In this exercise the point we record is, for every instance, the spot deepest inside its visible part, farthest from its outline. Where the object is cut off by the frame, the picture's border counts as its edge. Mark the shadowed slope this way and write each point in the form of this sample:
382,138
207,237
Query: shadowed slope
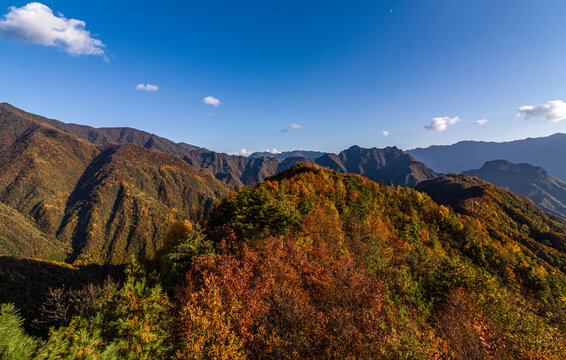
20,237
543,189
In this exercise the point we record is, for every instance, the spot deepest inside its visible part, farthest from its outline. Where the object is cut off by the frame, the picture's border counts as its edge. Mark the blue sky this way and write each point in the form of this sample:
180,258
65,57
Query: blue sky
333,73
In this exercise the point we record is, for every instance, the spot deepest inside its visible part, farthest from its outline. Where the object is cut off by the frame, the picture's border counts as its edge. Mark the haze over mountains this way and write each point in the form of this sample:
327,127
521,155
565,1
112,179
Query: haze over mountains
287,154
546,152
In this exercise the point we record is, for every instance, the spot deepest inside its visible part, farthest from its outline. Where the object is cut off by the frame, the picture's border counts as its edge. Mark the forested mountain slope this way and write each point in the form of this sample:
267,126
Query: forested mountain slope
93,203
316,264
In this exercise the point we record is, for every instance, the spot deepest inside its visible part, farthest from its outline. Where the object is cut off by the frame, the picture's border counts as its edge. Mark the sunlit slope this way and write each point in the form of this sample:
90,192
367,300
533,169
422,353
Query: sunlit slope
125,200
102,203
508,218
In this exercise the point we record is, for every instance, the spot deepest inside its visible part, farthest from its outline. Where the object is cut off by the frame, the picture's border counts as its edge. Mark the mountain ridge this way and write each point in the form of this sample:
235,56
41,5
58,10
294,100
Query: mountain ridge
239,170
547,191
465,155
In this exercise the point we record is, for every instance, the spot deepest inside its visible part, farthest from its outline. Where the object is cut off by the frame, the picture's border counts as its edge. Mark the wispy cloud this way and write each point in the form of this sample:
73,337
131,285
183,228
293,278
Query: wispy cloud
385,133
292,127
147,87
441,123
35,23
482,122
211,114
211,100
552,111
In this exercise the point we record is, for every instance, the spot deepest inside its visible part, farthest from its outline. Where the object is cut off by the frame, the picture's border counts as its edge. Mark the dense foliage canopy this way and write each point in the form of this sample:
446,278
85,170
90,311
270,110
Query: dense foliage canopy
316,264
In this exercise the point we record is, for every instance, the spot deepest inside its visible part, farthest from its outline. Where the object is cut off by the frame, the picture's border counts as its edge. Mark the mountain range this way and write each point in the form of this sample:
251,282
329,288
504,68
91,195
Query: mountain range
86,195
241,170
545,152
315,261
287,154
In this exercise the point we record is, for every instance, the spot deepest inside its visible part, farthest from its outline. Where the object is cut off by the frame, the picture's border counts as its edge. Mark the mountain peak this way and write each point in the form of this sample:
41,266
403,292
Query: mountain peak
508,166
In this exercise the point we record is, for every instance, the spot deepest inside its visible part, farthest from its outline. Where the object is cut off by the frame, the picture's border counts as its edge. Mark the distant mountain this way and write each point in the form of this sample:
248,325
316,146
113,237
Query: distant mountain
63,197
388,165
287,154
545,152
543,189
234,170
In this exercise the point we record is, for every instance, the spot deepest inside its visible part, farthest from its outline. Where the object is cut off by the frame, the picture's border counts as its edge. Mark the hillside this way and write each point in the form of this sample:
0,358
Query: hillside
87,202
465,155
20,237
501,266
233,170
508,218
545,190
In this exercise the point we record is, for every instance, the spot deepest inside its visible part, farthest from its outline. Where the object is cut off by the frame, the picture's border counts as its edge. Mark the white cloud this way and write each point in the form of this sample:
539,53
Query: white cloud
441,123
242,152
273,151
35,23
481,122
147,87
211,100
292,127
385,133
552,111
